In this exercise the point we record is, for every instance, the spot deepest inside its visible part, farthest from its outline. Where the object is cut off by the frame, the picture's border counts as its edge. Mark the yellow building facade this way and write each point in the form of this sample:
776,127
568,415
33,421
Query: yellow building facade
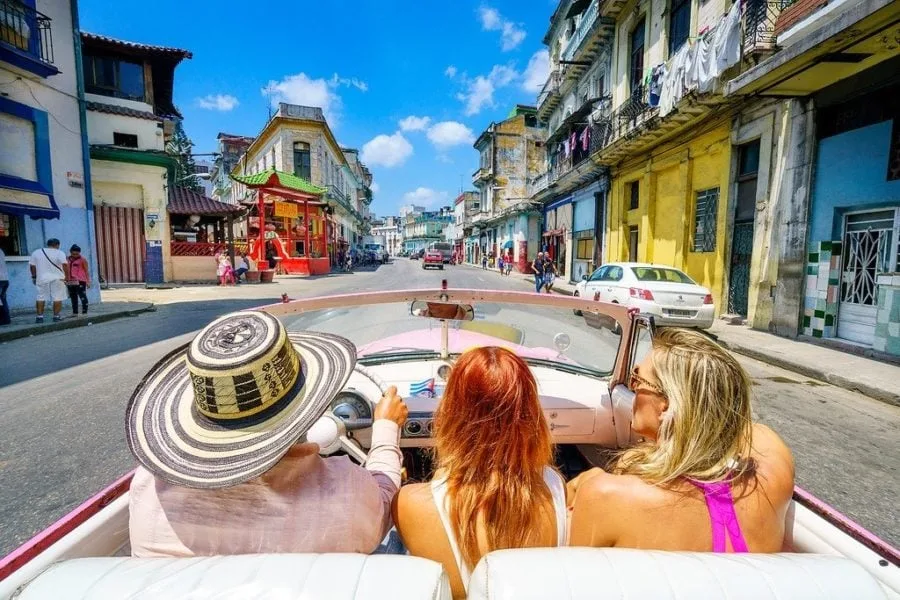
659,222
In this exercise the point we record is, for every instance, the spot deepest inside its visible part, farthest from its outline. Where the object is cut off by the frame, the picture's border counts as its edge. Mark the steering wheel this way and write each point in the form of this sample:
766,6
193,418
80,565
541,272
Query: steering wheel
330,431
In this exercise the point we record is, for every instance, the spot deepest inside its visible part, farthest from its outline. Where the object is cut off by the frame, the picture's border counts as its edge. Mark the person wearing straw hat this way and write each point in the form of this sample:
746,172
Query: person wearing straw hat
218,428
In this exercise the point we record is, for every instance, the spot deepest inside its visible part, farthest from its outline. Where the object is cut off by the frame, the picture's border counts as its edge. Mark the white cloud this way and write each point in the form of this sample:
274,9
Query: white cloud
450,133
223,102
424,196
511,34
386,150
351,81
413,123
375,187
450,72
536,72
480,91
300,89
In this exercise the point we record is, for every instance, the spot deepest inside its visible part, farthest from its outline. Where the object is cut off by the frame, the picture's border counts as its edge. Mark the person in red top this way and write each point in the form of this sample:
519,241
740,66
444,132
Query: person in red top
80,279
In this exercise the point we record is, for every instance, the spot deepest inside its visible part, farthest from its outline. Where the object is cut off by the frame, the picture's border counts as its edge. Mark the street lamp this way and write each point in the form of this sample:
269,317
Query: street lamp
204,176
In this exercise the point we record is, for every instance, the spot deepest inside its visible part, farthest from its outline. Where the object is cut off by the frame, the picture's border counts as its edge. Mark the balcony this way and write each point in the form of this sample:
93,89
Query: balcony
761,25
549,97
25,38
481,175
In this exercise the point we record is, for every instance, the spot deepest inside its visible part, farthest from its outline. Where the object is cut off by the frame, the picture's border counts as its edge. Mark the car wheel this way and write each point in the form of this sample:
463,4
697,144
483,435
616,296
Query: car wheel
577,312
441,267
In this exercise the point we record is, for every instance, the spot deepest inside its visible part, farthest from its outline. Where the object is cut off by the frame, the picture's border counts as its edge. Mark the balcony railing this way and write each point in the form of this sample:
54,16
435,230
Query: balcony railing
551,87
481,174
28,30
588,20
760,17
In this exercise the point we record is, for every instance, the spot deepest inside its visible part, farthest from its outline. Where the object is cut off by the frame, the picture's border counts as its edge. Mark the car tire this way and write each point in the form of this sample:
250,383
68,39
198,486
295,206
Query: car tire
577,312
441,267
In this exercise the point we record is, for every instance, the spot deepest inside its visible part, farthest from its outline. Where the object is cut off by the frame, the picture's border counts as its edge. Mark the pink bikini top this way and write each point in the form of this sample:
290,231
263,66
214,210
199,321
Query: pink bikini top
724,520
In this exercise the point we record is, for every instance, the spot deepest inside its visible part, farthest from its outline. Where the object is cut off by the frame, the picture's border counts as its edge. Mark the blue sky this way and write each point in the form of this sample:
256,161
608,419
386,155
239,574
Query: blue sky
371,65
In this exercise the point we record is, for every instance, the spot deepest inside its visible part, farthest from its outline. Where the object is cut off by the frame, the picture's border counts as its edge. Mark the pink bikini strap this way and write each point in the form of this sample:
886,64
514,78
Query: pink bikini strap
722,516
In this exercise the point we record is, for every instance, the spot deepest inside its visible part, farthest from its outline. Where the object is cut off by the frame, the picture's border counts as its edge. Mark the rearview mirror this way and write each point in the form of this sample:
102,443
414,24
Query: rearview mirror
442,310
584,277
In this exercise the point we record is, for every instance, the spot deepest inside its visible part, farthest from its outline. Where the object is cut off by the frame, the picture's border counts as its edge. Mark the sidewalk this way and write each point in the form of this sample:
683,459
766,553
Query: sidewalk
875,379
23,324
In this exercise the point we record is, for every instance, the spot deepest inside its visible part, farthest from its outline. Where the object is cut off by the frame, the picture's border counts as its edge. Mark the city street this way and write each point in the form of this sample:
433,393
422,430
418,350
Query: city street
63,396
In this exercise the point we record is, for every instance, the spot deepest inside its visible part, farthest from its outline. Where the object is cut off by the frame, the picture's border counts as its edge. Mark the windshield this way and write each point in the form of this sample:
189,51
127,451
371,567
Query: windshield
659,274
388,332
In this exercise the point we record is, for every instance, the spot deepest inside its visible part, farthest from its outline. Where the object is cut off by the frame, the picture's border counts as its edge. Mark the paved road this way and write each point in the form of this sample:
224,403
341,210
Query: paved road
63,395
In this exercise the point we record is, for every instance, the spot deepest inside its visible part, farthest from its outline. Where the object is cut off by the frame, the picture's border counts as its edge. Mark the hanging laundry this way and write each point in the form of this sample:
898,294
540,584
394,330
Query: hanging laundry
728,40
566,148
585,139
655,87
573,141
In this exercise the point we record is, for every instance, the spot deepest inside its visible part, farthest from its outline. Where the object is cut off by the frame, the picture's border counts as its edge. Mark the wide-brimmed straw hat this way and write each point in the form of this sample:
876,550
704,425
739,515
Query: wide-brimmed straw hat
226,407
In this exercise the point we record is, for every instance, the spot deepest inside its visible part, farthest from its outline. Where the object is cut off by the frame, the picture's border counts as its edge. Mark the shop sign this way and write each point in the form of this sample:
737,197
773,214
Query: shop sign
286,209
271,235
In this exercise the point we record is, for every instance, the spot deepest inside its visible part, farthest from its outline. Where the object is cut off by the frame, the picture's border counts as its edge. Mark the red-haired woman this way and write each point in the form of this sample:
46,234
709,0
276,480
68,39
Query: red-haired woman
494,486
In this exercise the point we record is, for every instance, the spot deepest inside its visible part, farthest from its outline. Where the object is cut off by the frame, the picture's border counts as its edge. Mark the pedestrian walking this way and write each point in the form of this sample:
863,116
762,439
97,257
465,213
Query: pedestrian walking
484,260
500,265
49,272
4,285
550,273
509,264
80,279
537,267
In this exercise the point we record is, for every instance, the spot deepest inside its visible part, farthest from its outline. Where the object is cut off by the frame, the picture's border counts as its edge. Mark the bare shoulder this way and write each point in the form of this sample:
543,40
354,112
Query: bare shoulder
775,462
411,503
603,489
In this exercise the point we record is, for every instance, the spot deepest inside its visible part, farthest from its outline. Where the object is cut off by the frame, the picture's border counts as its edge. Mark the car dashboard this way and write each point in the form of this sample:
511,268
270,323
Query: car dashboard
577,407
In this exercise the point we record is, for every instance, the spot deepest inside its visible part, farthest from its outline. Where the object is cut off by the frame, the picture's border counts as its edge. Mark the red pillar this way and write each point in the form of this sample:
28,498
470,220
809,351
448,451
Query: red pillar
307,224
262,228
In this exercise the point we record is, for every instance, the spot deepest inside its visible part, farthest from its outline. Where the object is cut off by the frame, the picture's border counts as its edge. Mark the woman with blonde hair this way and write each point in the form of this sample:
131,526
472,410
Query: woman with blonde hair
705,477
494,486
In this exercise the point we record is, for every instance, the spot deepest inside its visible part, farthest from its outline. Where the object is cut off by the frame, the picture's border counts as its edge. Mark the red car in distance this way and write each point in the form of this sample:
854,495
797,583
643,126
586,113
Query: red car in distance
433,258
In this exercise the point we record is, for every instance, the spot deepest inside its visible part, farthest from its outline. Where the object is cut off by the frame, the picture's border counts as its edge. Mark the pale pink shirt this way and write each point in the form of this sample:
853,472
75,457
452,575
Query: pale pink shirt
305,503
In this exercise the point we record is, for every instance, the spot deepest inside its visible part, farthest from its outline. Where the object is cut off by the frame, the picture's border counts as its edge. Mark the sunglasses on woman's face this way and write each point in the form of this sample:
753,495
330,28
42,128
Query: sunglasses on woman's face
636,380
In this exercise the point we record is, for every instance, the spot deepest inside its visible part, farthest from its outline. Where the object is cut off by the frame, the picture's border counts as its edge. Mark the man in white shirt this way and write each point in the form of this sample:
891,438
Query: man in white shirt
49,273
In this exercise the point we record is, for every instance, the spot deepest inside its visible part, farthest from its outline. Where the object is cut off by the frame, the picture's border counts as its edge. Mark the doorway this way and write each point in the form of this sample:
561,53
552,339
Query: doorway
632,243
120,243
870,248
742,231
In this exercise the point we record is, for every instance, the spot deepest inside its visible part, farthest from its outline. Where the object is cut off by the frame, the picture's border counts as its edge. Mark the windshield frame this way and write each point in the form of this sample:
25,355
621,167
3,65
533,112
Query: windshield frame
621,314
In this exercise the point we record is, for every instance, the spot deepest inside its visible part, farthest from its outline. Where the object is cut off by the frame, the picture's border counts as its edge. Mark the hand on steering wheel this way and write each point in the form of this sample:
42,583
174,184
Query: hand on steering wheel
392,407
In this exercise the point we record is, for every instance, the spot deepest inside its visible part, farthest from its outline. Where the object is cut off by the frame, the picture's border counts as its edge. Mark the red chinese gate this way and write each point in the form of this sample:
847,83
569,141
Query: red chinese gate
120,243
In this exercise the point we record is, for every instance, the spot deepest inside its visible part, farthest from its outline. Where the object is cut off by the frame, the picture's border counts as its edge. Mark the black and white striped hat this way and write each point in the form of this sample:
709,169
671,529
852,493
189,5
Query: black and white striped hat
226,407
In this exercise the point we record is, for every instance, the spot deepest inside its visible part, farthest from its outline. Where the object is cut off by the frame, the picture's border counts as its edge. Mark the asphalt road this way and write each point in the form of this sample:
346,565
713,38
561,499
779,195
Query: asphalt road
63,396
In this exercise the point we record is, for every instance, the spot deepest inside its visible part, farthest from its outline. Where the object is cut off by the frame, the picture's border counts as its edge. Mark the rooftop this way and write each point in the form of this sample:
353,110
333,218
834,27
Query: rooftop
111,43
184,201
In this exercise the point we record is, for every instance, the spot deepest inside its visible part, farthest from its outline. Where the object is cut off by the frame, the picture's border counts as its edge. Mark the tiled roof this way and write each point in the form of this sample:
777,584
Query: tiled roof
115,109
102,39
184,201
271,177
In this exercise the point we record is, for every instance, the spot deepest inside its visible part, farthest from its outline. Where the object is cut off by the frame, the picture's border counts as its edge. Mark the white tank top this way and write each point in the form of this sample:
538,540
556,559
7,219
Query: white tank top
557,491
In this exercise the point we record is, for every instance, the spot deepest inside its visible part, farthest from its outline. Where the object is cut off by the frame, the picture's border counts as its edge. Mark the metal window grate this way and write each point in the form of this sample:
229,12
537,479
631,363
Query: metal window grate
705,213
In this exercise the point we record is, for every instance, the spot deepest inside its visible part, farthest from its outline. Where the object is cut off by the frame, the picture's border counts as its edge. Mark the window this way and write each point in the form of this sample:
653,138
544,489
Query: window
113,77
26,175
633,191
584,250
632,243
658,274
273,158
748,168
705,220
679,24
125,140
612,273
11,235
598,274
636,61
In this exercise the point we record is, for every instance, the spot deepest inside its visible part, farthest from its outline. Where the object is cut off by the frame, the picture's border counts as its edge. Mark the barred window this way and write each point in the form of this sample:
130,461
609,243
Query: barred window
705,220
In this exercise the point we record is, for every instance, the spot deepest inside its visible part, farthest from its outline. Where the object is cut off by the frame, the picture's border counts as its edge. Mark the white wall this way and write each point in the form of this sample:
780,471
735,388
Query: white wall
101,127
135,104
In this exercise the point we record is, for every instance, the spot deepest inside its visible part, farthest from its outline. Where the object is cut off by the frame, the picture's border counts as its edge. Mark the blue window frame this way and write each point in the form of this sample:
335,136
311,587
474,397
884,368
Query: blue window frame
44,182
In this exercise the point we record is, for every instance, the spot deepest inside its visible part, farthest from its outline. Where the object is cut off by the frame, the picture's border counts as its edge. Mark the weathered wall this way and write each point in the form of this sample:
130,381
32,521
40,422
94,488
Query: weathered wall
668,183
101,127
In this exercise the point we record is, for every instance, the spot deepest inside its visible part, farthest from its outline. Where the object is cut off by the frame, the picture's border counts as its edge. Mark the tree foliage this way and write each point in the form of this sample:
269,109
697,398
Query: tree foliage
181,147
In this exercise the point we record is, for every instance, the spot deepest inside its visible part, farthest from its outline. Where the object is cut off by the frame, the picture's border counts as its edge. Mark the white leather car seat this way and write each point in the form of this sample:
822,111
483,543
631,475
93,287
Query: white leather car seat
281,576
600,573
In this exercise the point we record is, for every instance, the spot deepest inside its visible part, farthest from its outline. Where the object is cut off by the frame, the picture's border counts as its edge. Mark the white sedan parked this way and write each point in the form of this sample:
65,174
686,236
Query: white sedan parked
673,297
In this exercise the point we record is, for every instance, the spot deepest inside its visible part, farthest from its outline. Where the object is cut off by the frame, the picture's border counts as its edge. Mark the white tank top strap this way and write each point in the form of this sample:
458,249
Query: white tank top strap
552,479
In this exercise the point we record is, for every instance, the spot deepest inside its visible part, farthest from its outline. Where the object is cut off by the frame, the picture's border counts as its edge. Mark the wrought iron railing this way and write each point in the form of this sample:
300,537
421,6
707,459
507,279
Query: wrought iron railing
759,23
551,86
25,28
588,20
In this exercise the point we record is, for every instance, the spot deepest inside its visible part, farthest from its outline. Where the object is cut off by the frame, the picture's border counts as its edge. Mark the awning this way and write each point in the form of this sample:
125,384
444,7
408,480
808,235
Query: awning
184,201
27,203
507,245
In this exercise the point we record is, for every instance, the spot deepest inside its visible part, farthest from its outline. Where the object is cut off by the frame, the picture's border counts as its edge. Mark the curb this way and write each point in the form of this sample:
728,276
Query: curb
834,379
36,329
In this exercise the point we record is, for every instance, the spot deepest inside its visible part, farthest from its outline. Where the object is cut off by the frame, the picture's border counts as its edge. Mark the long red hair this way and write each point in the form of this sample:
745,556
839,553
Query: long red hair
493,441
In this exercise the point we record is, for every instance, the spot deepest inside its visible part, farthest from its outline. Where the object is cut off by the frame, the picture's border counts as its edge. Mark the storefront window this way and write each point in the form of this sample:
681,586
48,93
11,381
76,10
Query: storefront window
11,234
584,250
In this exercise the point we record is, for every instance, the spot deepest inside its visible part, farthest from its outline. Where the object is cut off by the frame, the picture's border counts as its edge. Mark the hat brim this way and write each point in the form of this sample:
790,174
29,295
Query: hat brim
175,442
